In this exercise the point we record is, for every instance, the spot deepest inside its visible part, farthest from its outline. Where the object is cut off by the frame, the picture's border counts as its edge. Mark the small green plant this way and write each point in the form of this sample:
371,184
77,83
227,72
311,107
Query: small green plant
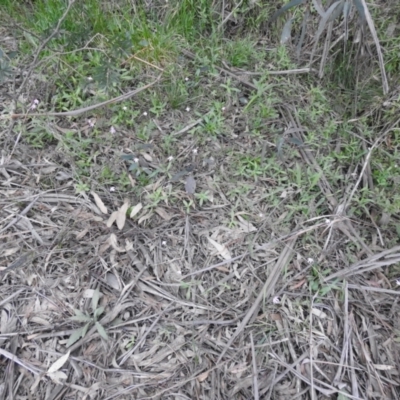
202,197
88,320
131,342
316,283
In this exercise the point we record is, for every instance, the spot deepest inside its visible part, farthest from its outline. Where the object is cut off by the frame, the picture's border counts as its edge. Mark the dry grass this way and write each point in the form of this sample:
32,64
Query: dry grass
213,301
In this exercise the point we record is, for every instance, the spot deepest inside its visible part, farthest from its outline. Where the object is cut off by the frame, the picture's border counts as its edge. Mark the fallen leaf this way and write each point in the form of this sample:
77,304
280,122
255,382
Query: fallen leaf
245,225
58,377
319,313
58,364
99,203
162,213
147,157
202,377
112,219
121,215
135,210
114,243
222,250
145,217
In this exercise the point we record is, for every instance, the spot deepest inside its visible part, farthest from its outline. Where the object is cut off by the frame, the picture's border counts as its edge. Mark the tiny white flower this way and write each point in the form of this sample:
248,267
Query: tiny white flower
170,158
112,130
136,160
223,108
89,78
124,108
36,101
398,282
276,300
194,151
112,189
163,243
186,79
327,221
261,215
33,107
145,113
310,260
187,109
91,123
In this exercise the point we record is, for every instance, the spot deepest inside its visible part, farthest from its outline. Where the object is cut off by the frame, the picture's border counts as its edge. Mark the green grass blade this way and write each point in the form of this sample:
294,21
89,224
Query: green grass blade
285,8
101,331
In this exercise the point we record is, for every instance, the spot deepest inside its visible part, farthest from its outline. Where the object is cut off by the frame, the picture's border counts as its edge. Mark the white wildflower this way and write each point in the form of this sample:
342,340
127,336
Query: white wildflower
145,113
187,109
91,123
112,130
136,160
170,158
276,300
194,151
112,189
124,108
89,78
310,260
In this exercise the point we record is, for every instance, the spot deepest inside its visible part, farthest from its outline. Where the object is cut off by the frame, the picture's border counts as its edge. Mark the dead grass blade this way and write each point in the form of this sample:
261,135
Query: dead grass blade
371,26
265,292
382,259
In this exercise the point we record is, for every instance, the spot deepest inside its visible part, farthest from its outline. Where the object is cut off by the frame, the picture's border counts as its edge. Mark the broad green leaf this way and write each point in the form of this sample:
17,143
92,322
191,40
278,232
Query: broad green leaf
295,141
98,312
95,299
286,31
78,313
74,337
286,7
81,318
101,331
85,329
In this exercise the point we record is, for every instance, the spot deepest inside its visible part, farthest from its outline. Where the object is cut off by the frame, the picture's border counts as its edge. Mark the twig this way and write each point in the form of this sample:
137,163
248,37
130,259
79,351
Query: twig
92,107
255,372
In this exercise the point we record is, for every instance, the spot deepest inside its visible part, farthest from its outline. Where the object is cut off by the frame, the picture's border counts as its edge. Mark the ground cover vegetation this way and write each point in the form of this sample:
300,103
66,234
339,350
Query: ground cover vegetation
199,199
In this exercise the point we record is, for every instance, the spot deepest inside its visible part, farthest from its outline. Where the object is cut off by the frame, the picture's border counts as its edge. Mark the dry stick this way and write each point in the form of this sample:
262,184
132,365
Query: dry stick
79,111
266,291
255,372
